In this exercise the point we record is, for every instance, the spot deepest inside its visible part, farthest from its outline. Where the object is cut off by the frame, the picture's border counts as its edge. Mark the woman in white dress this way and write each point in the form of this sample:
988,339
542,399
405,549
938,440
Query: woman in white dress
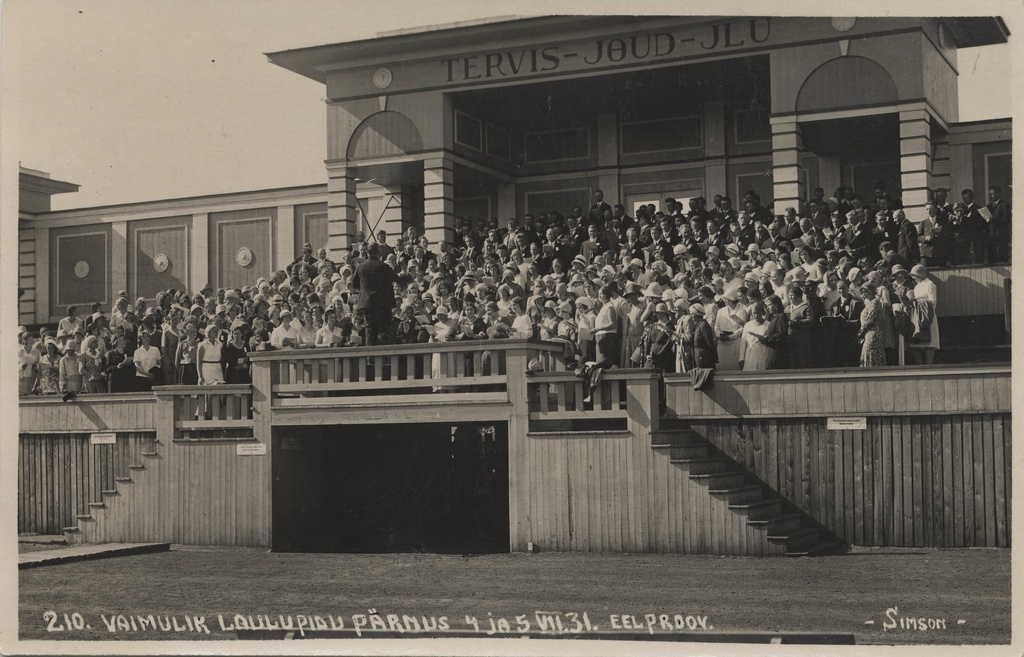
925,293
729,324
208,358
754,356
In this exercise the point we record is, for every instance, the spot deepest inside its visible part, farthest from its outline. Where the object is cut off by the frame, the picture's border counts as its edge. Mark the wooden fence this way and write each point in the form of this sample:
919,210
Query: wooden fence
59,475
931,468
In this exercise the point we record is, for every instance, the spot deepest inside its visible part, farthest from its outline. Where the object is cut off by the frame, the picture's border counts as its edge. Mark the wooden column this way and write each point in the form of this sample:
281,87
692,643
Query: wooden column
518,443
438,201
44,276
915,161
342,210
262,380
284,237
787,144
200,264
118,261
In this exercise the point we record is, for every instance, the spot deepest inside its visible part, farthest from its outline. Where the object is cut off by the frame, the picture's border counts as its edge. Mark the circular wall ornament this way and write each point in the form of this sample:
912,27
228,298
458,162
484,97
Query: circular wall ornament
843,24
243,257
81,269
382,78
160,263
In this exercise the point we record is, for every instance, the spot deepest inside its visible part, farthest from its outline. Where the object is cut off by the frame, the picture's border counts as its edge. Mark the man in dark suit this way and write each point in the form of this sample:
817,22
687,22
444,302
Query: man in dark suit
374,281
999,224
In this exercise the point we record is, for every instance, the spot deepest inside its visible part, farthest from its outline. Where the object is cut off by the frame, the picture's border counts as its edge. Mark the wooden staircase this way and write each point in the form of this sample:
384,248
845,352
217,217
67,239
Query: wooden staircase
93,527
772,527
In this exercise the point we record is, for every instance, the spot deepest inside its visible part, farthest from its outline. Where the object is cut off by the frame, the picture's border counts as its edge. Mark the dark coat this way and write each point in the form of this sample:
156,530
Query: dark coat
375,282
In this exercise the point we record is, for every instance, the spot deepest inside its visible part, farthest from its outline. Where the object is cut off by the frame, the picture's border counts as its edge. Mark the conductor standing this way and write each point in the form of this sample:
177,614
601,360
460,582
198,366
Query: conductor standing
374,281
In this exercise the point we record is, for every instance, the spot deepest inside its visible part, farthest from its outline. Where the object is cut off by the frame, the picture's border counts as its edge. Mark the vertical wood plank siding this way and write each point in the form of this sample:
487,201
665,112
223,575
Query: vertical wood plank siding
907,481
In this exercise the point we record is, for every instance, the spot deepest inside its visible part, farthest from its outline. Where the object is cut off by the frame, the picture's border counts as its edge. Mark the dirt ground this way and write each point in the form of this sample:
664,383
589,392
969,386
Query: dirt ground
962,595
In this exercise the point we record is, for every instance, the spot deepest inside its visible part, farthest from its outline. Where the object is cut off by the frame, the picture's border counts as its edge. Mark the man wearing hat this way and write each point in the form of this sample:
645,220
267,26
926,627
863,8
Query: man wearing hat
658,341
374,281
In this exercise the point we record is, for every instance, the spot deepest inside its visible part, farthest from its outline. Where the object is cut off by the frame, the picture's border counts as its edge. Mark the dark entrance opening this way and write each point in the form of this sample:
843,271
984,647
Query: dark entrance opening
391,488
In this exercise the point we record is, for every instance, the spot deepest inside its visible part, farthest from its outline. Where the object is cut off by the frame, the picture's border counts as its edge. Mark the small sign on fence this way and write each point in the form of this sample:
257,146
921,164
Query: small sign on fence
847,423
251,449
105,438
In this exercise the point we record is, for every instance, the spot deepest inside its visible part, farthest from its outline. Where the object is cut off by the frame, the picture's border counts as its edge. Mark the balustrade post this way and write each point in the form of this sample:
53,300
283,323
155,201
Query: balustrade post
516,359
164,417
642,403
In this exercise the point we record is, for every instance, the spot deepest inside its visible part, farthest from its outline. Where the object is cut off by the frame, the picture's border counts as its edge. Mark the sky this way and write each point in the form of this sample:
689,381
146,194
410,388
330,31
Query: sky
140,101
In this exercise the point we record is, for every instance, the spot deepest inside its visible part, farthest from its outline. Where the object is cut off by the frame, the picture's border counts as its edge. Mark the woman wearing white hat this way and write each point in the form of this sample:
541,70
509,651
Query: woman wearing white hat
69,377
729,330
28,365
49,369
923,300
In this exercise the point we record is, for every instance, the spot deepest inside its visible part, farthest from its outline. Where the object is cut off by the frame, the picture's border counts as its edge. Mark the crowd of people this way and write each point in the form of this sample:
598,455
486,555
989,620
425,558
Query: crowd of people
832,283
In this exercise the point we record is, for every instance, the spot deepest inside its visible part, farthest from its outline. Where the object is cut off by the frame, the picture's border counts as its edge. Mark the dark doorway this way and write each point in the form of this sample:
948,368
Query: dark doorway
391,488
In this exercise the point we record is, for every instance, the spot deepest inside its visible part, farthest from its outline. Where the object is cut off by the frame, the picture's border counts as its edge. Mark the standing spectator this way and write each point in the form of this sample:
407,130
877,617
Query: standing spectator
70,324
93,377
49,369
28,365
147,363
754,355
69,380
374,281
185,356
705,350
120,367
871,333
936,238
208,358
907,243
729,323
606,330
999,224
776,335
236,358
923,301
973,232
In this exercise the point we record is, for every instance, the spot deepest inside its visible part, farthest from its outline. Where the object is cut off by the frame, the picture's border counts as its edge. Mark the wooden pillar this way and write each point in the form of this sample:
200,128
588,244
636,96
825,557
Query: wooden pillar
520,534
787,144
200,264
284,237
642,404
608,157
715,176
438,201
44,277
164,425
342,211
119,261
915,161
262,380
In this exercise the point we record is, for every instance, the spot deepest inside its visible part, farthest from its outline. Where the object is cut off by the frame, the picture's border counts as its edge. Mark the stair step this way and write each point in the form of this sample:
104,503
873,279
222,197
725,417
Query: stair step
109,492
97,505
706,465
797,540
136,466
785,523
123,480
151,453
684,451
72,530
676,438
717,480
83,516
759,509
821,548
740,494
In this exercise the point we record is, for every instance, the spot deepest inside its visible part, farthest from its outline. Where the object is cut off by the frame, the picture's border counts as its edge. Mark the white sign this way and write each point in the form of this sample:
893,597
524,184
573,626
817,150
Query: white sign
847,423
251,449
107,438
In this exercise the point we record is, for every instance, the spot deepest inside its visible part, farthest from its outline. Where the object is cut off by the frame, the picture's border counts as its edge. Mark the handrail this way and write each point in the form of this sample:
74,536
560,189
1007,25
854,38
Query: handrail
819,374
402,349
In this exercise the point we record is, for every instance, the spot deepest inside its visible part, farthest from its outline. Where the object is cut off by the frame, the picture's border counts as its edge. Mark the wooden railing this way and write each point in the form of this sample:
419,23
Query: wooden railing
197,409
478,371
563,397
915,390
